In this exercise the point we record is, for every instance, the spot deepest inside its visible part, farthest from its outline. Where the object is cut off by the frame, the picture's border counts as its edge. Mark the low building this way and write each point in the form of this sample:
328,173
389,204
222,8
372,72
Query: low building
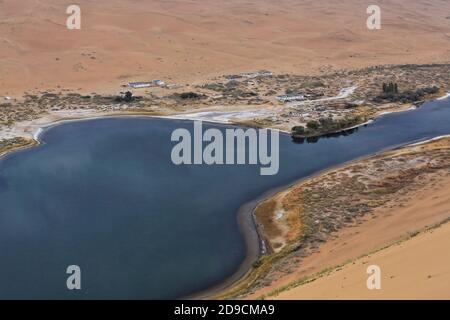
159,83
174,86
291,97
139,85
148,84
249,75
233,77
262,73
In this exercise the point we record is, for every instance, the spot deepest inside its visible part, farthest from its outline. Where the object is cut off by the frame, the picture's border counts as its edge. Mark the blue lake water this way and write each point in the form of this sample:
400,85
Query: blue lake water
104,195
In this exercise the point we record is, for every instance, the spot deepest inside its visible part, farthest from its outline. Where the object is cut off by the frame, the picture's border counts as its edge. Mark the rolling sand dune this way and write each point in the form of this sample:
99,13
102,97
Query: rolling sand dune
123,40
413,211
407,265
192,40
418,268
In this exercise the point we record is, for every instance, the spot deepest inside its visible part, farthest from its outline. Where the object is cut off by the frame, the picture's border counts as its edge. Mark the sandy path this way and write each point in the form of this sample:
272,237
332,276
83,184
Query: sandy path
429,206
418,268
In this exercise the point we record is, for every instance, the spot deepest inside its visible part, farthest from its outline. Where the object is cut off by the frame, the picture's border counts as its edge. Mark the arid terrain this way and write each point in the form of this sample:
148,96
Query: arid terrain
330,220
209,55
301,66
420,263
192,41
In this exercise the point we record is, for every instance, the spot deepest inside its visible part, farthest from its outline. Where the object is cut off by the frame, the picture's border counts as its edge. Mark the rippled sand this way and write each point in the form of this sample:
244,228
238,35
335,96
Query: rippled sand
124,40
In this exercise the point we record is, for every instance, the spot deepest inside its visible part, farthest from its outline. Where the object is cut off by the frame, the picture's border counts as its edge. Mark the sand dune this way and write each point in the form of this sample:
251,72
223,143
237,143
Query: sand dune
405,267
411,212
193,40
179,41
415,269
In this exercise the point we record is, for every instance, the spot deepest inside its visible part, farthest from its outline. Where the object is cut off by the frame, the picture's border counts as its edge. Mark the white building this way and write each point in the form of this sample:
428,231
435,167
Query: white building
148,84
138,85
291,97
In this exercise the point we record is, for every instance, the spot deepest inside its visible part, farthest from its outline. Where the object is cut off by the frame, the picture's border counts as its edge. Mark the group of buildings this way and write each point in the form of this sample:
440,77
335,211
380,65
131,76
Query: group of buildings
249,75
291,97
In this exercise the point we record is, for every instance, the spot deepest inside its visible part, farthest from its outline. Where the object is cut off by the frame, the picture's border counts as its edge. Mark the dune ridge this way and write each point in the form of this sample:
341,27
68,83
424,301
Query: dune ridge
123,40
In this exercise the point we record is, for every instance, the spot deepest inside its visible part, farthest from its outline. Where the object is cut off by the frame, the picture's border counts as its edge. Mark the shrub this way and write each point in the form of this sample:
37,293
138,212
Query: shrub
298,130
313,125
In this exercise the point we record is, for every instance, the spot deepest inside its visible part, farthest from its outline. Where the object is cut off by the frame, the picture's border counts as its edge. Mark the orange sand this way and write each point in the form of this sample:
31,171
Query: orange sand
415,269
180,40
425,208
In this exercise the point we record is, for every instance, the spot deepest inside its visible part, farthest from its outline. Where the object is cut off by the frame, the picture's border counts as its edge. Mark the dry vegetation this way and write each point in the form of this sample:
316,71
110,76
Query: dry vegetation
295,222
315,48
8,145
254,100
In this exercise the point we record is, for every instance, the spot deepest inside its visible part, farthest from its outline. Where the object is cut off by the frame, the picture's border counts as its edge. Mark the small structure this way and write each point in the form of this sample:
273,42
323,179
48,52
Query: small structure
174,86
148,84
291,97
249,75
139,85
262,73
233,77
265,73
159,83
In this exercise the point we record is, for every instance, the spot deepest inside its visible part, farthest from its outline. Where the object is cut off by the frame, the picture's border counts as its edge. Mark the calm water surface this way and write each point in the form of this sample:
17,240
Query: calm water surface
104,195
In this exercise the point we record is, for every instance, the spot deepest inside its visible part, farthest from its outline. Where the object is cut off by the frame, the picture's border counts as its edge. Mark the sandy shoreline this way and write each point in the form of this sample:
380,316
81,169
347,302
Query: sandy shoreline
248,210
444,97
414,210
33,129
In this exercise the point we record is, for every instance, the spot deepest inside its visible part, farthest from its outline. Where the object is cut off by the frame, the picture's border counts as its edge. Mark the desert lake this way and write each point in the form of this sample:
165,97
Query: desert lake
104,195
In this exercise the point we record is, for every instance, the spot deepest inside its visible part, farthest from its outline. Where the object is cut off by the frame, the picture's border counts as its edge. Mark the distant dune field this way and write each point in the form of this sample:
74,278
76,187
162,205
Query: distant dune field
124,40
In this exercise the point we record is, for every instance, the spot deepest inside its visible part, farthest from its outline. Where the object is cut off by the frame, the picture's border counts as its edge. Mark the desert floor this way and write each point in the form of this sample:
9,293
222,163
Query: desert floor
414,269
184,41
181,41
405,267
